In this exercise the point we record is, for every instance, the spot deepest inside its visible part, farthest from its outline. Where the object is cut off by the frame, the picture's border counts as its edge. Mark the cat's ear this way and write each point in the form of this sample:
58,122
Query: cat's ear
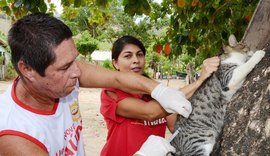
232,40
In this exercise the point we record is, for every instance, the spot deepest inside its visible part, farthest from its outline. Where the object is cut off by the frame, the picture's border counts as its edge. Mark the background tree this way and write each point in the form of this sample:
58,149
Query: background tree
194,27
85,44
87,16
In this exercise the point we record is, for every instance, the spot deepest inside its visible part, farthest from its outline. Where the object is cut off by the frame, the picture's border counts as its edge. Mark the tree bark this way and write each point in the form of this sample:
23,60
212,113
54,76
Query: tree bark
258,30
247,122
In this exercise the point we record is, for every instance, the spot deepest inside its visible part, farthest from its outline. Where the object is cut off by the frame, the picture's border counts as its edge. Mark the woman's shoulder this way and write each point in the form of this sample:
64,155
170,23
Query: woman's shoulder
119,93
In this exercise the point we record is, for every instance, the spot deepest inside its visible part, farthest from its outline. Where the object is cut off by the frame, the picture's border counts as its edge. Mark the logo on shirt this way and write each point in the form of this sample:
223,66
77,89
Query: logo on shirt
149,123
154,123
75,112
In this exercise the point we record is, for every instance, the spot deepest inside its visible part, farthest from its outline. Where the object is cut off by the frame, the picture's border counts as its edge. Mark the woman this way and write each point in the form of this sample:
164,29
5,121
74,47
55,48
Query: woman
132,118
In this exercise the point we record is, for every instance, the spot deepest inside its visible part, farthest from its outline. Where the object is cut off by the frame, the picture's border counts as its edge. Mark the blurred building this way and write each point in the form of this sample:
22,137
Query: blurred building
99,56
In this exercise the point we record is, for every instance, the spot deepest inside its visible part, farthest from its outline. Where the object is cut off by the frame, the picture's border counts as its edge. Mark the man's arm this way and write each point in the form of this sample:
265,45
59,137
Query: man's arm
97,77
18,146
210,65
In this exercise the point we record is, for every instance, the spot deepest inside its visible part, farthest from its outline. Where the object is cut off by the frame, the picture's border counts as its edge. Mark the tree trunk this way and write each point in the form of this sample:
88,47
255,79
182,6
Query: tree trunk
247,122
258,31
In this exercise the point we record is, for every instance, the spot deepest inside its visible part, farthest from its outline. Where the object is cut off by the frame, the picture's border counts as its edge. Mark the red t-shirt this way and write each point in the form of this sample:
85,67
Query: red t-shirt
125,136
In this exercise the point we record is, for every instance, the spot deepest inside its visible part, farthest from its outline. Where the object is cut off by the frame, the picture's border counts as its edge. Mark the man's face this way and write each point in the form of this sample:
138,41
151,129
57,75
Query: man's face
61,76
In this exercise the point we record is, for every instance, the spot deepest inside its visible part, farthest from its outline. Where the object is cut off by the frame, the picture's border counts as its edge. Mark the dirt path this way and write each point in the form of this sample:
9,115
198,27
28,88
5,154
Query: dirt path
94,128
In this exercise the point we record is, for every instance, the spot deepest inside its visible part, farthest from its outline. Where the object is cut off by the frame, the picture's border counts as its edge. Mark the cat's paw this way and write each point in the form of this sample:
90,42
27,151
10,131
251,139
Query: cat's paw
260,53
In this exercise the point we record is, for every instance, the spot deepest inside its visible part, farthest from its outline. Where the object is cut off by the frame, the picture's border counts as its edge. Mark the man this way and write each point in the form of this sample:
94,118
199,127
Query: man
40,113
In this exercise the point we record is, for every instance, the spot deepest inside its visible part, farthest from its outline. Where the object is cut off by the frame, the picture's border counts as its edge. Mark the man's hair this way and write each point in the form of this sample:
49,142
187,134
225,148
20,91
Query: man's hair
33,39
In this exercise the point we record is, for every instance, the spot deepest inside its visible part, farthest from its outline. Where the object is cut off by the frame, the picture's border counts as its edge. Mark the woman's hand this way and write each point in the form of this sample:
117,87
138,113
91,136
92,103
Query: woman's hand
210,65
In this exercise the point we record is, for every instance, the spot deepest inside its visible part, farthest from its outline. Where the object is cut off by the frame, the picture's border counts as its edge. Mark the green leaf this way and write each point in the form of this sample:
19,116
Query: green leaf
216,4
145,7
138,7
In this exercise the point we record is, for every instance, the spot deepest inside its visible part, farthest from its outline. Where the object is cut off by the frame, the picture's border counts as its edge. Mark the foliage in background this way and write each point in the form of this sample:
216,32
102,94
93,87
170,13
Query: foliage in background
104,46
201,27
107,64
196,28
3,39
87,17
18,8
85,44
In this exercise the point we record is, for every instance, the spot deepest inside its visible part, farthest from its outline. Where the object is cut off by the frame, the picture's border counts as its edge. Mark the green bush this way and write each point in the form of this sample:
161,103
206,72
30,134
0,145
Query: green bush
86,44
107,64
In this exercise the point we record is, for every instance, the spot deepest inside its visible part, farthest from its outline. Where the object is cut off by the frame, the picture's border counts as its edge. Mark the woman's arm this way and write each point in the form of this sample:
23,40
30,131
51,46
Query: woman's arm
135,108
171,119
210,65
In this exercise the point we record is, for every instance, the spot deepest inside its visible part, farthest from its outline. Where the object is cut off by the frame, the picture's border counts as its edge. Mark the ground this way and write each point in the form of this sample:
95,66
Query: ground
94,128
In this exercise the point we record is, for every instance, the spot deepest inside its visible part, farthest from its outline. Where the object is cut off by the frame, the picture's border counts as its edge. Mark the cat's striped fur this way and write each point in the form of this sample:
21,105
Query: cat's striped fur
198,133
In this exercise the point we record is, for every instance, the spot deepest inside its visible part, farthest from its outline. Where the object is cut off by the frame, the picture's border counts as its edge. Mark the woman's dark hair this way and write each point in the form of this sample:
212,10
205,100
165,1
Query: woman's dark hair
120,43
33,38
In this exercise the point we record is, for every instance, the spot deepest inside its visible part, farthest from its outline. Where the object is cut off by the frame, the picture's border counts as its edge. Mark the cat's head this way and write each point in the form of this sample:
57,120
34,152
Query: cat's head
234,48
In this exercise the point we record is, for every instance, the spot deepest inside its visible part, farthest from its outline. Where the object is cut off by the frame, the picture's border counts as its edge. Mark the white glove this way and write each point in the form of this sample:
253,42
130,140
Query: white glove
155,146
172,100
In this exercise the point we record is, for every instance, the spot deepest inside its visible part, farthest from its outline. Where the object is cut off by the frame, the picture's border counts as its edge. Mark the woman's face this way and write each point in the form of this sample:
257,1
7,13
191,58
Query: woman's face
131,58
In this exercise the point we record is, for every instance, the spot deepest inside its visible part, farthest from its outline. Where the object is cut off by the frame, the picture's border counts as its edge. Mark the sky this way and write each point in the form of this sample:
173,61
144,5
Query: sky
59,8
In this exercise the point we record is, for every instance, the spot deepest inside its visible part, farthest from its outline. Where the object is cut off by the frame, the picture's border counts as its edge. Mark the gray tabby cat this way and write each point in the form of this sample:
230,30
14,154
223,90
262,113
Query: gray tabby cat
198,133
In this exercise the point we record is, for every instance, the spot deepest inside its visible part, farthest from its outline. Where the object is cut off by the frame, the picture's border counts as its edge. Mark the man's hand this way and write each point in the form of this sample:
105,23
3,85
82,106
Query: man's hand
172,100
210,65
155,146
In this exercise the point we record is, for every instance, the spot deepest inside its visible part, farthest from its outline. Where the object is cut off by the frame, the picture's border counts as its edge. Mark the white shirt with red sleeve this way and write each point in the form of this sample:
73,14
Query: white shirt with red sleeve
59,132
